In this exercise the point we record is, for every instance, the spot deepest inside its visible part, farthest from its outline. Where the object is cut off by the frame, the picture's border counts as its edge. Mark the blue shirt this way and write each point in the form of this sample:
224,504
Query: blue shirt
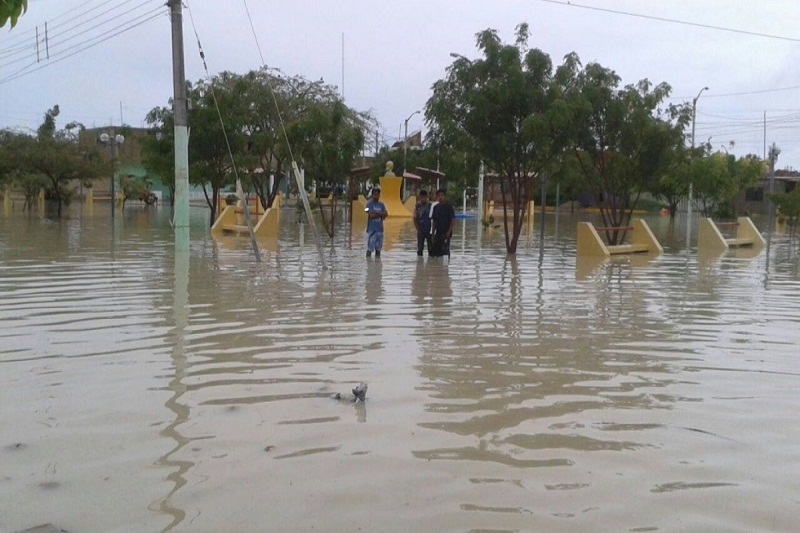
375,224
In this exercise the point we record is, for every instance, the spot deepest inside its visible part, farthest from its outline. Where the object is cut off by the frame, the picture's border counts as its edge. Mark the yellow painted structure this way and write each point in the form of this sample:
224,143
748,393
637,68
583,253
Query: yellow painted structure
7,201
359,206
265,223
410,204
531,205
488,209
88,201
390,196
642,239
709,237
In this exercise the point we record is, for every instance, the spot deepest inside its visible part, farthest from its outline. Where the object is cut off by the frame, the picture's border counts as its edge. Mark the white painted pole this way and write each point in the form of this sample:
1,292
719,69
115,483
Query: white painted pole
300,178
480,194
181,118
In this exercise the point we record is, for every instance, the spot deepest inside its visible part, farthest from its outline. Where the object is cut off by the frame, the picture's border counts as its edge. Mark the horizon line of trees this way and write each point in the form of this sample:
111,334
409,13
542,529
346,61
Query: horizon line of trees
533,124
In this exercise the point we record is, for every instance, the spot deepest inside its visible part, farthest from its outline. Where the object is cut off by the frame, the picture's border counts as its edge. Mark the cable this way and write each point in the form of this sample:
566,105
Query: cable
301,191
673,21
269,84
17,38
61,52
227,141
53,43
25,71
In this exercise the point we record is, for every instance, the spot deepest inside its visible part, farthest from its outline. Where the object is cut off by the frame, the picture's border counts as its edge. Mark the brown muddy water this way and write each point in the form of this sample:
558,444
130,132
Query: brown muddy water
528,394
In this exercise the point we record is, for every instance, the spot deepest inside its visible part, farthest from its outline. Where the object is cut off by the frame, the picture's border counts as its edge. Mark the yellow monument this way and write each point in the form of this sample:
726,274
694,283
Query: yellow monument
390,194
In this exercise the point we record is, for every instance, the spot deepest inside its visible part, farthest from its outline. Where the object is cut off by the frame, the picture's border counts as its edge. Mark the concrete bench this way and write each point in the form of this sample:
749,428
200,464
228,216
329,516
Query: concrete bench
642,239
709,236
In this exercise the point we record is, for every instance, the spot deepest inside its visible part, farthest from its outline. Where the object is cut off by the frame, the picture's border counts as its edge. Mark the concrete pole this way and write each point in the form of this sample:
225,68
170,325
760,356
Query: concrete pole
181,117
773,157
114,151
405,146
691,157
481,176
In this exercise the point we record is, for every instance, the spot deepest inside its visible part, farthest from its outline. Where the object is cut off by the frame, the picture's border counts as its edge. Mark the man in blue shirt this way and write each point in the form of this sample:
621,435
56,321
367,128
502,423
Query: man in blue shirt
443,219
422,221
376,212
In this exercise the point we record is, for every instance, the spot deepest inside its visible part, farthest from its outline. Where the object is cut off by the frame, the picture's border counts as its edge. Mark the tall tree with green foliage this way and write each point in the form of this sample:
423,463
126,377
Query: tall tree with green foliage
57,156
717,177
788,209
210,164
324,134
508,109
623,140
332,137
11,11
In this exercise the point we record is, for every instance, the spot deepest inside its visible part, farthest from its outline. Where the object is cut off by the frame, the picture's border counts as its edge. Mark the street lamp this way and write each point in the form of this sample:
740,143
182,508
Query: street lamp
405,142
114,142
459,56
689,199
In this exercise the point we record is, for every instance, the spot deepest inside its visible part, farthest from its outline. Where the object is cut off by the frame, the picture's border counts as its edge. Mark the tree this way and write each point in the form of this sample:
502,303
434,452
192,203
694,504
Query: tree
673,185
321,130
718,177
11,175
11,11
210,164
332,136
158,149
788,208
623,141
57,156
507,109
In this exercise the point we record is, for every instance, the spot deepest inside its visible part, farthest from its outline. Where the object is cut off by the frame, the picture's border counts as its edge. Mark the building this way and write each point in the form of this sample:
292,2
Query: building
756,199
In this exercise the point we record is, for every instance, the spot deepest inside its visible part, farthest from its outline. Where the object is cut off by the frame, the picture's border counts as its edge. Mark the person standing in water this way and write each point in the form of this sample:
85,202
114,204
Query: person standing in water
443,220
376,212
422,222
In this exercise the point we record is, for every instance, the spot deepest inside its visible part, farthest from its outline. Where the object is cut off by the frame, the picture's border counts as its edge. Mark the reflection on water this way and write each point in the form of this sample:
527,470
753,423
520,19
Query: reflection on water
144,391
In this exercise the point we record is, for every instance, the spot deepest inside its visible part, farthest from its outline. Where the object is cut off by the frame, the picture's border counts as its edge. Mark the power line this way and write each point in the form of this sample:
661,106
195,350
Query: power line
19,37
125,27
673,21
52,41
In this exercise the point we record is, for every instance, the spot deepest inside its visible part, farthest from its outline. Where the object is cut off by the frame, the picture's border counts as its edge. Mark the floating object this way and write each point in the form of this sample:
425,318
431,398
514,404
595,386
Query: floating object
642,240
46,528
359,394
709,236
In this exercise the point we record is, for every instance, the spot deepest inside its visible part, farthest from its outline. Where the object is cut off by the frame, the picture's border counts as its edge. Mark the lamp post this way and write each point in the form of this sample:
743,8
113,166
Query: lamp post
774,152
114,141
405,139
691,157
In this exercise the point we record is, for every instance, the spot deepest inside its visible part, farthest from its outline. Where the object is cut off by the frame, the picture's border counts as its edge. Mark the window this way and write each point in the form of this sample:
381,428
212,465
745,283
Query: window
754,195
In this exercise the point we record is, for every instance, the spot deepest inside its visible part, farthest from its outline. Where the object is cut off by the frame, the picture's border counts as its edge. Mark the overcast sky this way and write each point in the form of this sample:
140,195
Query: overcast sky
394,51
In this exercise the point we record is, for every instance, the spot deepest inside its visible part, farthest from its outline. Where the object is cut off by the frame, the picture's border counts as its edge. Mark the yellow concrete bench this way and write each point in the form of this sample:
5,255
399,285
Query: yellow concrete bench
589,242
709,236
231,220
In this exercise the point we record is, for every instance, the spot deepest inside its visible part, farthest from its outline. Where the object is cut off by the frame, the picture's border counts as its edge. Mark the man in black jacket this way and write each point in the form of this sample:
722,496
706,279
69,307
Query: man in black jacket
443,220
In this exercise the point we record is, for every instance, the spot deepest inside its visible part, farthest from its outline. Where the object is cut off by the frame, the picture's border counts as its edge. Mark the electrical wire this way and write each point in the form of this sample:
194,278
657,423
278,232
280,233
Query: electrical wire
53,44
227,141
123,28
670,20
50,24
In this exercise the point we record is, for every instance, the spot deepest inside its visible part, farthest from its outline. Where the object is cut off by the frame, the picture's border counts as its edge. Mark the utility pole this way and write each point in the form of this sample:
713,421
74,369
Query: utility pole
181,116
691,157
405,139
774,152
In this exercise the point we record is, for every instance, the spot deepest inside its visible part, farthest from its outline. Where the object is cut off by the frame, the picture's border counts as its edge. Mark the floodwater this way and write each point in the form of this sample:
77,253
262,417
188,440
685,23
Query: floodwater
144,392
